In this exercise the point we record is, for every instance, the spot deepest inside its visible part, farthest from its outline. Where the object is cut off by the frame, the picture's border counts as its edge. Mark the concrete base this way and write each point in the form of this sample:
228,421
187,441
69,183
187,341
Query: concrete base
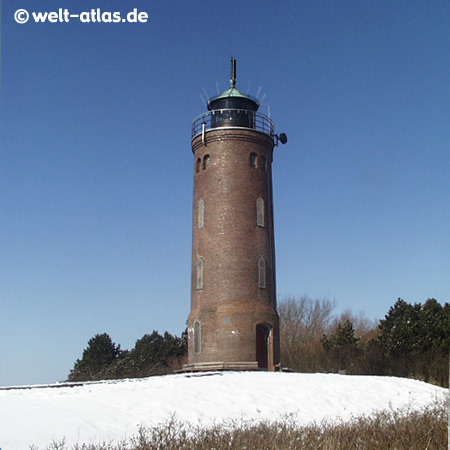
220,365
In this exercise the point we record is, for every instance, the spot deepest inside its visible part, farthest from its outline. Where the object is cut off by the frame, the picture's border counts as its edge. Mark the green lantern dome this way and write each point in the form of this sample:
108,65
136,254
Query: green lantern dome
233,98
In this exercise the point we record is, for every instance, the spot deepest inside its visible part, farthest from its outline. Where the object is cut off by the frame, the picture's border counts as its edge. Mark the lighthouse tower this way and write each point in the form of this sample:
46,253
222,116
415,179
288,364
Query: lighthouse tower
233,323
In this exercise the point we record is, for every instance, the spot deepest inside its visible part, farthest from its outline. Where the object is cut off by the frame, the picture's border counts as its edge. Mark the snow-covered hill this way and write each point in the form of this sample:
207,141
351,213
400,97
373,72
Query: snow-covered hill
113,410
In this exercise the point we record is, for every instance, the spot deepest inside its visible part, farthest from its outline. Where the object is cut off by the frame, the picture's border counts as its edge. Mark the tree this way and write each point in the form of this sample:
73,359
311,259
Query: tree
431,353
400,328
99,355
303,321
343,338
341,347
415,340
365,329
153,352
432,326
445,345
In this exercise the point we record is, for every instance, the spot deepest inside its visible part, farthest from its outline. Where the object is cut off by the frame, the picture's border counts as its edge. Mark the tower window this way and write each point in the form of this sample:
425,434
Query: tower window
206,161
198,165
252,160
197,337
261,272
260,212
262,163
201,214
200,273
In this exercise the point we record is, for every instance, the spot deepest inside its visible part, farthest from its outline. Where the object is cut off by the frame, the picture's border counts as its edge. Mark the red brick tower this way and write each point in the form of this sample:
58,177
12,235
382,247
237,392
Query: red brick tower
233,323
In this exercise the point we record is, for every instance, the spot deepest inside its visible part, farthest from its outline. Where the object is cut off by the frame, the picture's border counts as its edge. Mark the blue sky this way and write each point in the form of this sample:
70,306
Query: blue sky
96,166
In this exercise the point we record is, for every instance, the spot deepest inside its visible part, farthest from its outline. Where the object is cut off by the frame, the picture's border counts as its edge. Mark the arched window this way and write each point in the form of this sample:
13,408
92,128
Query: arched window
198,165
200,273
252,160
260,212
206,161
197,337
261,272
262,163
201,214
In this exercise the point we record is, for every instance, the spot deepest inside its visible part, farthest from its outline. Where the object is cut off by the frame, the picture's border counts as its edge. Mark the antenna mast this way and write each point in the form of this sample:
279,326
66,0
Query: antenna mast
233,73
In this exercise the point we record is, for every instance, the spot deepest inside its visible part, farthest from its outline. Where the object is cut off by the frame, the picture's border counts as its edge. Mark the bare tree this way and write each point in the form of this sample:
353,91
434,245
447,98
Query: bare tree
303,322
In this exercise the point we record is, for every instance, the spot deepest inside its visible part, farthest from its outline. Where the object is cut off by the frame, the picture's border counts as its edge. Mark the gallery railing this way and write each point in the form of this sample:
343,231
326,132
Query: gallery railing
232,118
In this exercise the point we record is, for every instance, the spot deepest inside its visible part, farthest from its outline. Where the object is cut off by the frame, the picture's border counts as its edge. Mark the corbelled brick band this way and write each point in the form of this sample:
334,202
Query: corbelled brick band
233,292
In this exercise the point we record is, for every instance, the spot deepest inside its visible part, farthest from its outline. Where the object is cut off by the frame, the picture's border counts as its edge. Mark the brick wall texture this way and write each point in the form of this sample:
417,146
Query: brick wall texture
230,302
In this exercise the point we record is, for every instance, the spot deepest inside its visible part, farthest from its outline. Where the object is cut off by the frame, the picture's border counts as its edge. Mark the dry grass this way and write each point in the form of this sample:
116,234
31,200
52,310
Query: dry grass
393,430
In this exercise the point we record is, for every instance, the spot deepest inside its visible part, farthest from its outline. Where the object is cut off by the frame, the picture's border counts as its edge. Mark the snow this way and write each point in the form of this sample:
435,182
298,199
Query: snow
114,410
